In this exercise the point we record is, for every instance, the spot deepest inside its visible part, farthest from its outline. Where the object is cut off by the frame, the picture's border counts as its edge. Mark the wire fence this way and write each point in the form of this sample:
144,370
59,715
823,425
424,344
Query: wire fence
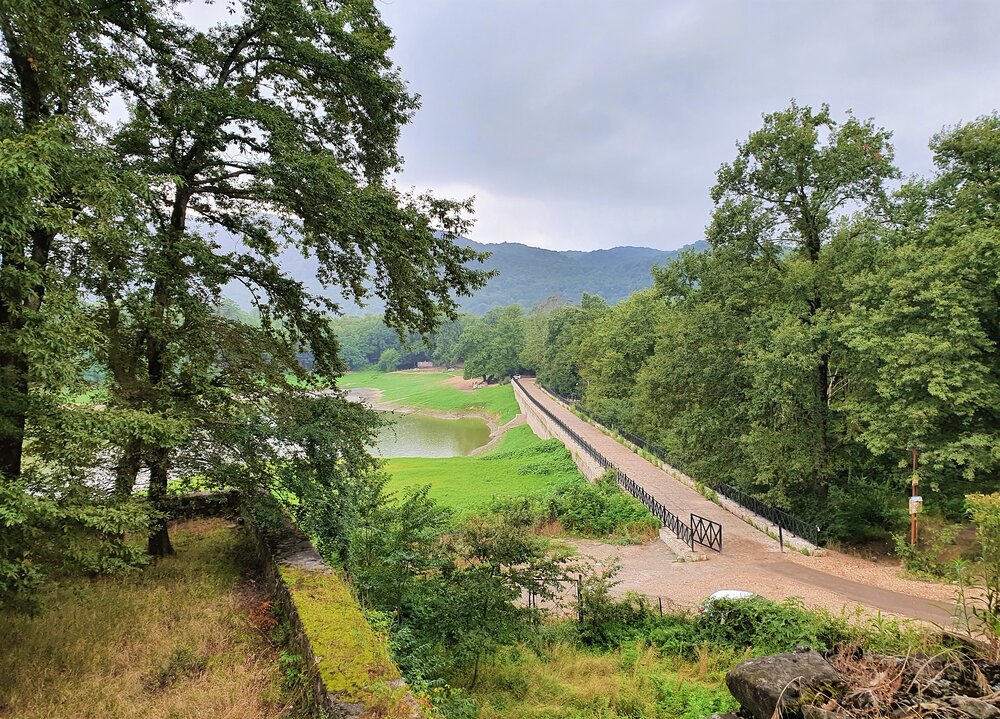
808,531
711,533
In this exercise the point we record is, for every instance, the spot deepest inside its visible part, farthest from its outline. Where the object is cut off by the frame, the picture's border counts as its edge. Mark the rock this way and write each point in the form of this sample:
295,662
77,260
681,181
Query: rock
811,711
975,708
759,684
936,688
861,699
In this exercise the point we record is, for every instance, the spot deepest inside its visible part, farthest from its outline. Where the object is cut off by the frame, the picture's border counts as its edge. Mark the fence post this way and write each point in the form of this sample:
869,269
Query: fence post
781,539
660,600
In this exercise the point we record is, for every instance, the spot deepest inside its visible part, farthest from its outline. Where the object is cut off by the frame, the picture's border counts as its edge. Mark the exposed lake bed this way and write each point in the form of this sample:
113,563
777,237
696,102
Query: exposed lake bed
415,434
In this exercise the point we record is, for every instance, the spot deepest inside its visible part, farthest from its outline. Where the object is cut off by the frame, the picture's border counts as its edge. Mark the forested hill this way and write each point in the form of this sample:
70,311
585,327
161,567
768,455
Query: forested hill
530,275
527,275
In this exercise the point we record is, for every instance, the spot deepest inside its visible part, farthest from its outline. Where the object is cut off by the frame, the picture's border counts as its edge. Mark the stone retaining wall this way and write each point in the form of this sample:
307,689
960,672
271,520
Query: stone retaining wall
546,429
351,671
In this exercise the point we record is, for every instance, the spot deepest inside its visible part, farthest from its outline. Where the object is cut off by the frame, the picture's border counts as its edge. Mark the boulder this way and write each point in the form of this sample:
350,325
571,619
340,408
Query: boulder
761,685
975,708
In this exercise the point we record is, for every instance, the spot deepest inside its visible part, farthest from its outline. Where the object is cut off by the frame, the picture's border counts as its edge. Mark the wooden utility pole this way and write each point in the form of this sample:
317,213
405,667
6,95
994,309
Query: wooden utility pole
913,493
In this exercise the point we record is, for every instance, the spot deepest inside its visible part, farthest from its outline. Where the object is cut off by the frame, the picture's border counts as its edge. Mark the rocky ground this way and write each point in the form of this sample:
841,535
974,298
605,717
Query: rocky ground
851,683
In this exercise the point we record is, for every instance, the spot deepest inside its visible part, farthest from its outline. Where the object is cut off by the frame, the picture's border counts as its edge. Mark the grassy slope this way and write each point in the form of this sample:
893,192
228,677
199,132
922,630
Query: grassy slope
425,390
520,463
569,682
97,649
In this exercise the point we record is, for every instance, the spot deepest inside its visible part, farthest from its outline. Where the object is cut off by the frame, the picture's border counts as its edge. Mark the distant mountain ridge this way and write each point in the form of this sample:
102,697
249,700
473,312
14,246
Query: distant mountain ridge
530,275
527,275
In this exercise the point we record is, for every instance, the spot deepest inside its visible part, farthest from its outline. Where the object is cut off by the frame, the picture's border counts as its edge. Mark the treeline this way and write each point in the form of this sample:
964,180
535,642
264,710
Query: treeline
840,318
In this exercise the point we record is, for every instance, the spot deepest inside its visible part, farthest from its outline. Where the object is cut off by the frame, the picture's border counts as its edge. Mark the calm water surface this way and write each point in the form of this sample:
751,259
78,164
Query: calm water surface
417,435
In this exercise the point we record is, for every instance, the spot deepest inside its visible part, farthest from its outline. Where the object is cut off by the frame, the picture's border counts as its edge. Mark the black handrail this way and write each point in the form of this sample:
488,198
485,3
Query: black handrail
670,520
807,530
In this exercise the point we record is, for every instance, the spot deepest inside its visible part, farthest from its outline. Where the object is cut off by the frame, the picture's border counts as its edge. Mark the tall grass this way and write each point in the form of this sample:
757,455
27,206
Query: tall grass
566,681
174,640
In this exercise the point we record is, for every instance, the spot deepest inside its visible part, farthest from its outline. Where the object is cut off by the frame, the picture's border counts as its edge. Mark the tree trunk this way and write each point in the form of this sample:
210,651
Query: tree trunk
14,364
475,673
13,402
159,537
127,468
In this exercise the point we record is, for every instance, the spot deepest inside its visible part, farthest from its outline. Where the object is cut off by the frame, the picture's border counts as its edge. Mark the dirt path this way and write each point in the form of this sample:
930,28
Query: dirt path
750,559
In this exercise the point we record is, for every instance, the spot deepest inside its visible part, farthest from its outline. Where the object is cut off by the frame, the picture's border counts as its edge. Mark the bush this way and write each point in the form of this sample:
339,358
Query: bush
600,509
929,560
980,609
585,508
605,620
862,510
767,627
757,624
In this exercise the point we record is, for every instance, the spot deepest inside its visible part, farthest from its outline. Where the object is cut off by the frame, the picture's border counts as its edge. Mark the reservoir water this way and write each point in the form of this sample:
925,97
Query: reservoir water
417,435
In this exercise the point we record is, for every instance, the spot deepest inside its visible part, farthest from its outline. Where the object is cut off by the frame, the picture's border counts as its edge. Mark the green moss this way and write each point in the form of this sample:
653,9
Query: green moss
353,659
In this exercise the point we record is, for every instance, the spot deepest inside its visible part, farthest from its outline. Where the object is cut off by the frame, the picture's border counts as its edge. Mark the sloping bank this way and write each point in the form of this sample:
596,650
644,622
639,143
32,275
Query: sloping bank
350,669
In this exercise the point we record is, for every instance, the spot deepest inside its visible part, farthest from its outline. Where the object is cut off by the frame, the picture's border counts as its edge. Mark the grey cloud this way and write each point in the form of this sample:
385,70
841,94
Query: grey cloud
594,124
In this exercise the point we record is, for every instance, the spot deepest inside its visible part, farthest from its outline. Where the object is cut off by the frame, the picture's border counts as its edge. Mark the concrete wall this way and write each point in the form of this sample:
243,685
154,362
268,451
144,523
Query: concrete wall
546,429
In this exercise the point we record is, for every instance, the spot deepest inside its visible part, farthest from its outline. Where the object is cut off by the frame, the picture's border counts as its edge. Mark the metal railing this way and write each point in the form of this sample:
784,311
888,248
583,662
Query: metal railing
706,531
710,534
807,530
789,522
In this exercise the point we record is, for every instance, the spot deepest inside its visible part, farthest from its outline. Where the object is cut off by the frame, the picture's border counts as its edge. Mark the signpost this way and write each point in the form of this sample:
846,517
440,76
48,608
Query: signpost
916,501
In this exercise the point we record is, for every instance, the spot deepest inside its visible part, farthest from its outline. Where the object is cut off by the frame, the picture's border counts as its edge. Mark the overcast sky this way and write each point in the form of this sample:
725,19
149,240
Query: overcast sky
580,124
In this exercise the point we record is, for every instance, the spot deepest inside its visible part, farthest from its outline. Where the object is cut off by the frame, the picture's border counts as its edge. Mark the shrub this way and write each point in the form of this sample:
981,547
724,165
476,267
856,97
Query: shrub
981,607
605,620
767,627
756,624
599,508
928,560
862,510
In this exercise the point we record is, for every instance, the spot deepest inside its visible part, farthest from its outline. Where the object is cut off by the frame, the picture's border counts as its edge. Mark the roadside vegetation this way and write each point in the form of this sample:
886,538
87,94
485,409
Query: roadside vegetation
188,636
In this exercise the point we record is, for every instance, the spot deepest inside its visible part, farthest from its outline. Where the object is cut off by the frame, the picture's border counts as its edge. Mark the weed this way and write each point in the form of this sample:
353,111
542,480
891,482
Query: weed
100,645
293,670
183,664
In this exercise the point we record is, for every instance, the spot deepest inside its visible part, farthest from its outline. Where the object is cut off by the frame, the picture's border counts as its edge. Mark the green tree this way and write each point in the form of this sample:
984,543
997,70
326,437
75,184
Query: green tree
388,361
60,191
492,345
926,318
613,351
781,200
567,327
300,162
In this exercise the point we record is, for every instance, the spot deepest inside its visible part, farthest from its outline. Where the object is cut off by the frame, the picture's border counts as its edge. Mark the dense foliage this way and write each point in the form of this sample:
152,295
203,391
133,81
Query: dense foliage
277,128
838,319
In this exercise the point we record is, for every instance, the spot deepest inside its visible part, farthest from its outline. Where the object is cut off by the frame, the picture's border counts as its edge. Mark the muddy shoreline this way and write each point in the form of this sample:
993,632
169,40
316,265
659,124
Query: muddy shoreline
372,397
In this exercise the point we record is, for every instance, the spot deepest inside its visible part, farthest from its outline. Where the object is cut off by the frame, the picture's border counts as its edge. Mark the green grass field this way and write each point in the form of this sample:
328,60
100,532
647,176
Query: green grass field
520,464
426,390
